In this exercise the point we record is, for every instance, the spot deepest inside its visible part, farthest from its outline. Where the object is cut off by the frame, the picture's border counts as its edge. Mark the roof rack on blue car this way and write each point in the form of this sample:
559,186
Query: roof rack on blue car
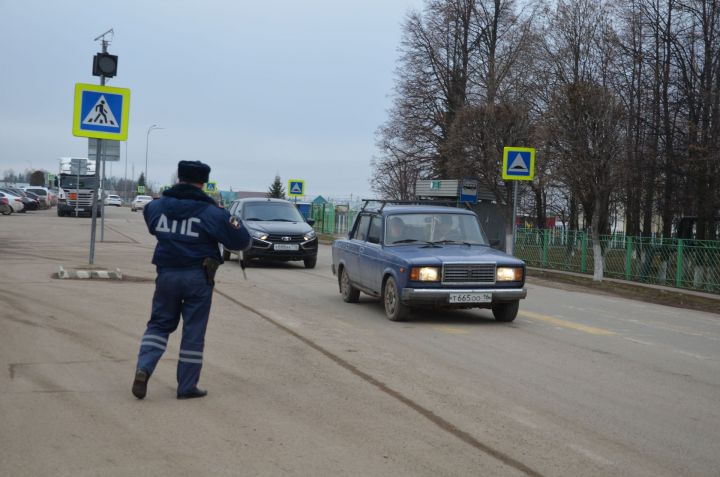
383,202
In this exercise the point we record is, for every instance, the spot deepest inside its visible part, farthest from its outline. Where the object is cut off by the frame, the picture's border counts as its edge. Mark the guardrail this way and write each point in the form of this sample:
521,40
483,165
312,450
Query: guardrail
681,263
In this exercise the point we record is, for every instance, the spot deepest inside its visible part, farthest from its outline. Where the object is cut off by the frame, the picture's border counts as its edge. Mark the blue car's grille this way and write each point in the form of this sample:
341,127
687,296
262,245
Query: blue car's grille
468,273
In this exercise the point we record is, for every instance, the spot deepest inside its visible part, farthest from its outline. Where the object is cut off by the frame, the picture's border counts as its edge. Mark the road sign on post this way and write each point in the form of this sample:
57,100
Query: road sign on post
110,150
296,187
211,186
78,166
101,112
518,165
469,191
141,189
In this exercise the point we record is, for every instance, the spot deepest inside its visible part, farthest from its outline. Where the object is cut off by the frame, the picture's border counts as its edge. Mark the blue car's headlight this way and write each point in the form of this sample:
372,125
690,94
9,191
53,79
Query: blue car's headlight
509,274
310,235
425,274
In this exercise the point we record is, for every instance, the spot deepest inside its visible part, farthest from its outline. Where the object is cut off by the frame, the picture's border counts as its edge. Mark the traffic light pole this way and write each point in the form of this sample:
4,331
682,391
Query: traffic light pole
98,160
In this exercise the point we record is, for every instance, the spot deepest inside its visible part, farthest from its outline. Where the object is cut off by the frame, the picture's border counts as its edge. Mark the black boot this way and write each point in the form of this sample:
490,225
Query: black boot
193,393
139,388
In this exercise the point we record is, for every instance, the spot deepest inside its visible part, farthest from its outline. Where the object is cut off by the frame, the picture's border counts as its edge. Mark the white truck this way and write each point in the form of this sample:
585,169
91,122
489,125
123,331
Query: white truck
76,185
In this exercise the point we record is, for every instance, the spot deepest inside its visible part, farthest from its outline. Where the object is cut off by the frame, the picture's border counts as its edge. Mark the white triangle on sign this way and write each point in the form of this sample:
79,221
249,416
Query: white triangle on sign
101,114
296,189
518,165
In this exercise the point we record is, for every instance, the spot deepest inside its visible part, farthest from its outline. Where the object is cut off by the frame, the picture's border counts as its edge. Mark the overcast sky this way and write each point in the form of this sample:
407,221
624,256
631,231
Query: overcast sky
253,88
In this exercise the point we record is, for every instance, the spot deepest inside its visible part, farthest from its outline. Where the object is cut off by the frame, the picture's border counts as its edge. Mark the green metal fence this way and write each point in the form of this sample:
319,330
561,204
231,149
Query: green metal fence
680,263
332,219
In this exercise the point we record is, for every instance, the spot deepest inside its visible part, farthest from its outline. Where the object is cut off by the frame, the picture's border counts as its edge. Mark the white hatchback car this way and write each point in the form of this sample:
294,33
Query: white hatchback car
113,199
139,202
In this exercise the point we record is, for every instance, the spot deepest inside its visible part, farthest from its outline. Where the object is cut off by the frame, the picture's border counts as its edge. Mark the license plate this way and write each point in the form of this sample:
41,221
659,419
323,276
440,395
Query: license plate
472,297
286,246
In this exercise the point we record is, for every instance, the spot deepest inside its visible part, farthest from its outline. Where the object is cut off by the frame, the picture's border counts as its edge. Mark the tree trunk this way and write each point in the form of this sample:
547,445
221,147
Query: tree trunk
598,263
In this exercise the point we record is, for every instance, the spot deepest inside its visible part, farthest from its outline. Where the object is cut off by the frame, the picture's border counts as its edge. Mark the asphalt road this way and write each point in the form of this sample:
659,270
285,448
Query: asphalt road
302,383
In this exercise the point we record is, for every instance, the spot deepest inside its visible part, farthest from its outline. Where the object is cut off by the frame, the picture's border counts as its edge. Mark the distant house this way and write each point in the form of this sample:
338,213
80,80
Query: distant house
319,200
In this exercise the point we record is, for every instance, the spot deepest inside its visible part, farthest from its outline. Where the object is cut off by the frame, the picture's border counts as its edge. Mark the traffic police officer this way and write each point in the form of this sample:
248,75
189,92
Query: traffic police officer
188,225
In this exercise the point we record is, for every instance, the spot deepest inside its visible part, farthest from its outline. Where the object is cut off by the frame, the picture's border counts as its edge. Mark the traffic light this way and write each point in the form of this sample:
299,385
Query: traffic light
105,64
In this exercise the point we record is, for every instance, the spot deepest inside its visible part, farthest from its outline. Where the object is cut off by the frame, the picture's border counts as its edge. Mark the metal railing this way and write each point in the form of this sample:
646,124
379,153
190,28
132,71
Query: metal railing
680,263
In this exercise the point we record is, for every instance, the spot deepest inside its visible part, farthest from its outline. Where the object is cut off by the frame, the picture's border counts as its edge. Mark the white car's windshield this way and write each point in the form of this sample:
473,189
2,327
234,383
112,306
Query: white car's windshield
437,228
143,197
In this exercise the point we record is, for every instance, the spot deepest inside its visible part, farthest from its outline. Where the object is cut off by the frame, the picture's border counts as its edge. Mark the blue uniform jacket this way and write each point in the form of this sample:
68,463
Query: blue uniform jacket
188,225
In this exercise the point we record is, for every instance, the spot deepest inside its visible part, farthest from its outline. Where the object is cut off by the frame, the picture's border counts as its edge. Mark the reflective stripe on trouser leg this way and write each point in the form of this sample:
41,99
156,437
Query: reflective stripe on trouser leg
163,321
195,312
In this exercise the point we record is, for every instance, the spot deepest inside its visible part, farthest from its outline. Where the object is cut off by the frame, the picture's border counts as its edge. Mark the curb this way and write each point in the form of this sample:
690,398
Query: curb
90,274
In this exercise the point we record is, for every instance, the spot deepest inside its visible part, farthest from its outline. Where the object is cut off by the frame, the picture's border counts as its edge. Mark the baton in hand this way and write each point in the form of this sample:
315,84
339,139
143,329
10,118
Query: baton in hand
241,259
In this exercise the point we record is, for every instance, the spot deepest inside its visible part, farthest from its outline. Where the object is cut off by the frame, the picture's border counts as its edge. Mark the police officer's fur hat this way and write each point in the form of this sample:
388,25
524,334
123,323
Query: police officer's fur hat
194,172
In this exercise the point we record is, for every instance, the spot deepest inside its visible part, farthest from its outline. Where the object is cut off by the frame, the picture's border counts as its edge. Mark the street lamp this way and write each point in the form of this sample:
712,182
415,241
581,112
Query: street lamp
147,138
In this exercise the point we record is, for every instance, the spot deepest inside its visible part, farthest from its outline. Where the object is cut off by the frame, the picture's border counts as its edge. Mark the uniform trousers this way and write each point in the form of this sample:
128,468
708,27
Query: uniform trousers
178,292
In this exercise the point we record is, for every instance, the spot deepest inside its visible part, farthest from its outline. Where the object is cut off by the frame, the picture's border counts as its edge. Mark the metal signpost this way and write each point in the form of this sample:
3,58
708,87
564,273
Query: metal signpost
101,112
110,152
518,165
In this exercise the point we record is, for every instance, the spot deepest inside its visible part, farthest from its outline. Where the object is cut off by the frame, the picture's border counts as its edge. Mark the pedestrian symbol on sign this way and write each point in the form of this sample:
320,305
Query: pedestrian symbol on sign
101,114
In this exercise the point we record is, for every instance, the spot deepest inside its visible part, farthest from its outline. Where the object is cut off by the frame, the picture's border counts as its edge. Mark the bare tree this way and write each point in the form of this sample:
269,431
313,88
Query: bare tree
587,133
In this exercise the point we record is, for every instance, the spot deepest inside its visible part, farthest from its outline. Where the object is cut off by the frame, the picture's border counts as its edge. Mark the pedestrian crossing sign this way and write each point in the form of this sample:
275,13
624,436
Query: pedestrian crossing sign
518,163
101,112
296,187
211,186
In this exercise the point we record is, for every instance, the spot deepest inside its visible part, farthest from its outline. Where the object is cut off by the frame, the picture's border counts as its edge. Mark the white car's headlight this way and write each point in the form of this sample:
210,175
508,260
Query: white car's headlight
509,274
258,234
310,235
425,274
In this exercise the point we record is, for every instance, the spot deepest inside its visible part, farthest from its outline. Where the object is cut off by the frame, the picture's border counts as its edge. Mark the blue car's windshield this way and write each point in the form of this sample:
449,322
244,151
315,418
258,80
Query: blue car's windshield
437,228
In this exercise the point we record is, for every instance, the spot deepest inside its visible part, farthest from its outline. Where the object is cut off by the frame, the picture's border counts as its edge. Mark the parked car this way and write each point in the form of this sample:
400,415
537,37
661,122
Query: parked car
42,201
420,255
5,207
14,201
28,203
113,199
139,202
43,194
278,230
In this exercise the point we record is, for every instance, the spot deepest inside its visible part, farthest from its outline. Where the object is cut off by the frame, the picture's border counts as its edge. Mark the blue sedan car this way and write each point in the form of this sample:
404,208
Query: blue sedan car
423,255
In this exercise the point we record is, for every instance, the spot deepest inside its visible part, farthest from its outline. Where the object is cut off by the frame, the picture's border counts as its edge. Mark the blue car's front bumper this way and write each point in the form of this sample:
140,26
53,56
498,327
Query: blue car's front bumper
411,296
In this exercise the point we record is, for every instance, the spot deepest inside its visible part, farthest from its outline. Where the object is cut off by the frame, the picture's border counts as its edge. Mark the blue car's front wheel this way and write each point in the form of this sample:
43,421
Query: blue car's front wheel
394,308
